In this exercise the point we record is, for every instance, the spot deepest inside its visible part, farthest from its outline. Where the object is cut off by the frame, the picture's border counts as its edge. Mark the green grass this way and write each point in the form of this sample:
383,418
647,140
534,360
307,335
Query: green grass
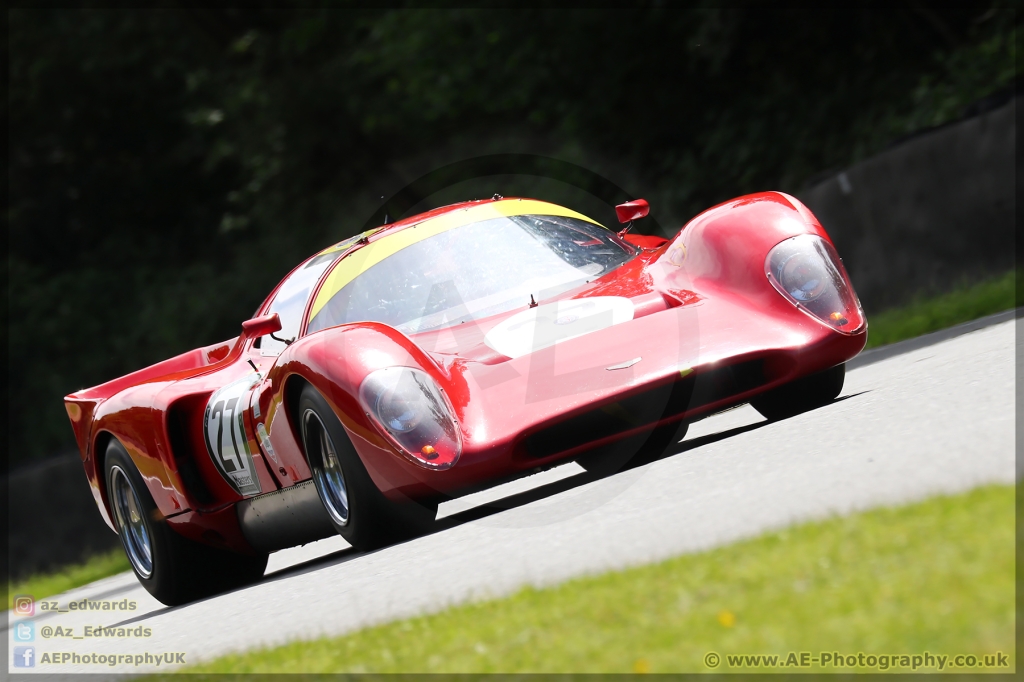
70,577
935,576
929,314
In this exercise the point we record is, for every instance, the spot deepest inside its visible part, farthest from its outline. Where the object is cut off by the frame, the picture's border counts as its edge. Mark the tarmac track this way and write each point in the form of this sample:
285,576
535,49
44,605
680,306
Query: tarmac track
928,416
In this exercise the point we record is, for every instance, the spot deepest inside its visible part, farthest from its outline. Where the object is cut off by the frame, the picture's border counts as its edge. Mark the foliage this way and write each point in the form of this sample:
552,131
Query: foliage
935,576
92,569
167,167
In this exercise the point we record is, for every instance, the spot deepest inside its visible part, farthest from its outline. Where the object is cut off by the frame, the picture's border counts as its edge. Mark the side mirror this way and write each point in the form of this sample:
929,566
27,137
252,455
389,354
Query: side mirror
632,210
262,325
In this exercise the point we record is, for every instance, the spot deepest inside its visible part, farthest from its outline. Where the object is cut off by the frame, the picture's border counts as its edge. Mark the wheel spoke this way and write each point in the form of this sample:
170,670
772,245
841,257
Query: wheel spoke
129,516
327,470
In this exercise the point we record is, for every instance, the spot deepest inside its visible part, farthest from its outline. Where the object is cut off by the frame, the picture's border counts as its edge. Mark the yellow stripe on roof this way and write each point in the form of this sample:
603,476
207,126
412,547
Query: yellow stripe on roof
347,269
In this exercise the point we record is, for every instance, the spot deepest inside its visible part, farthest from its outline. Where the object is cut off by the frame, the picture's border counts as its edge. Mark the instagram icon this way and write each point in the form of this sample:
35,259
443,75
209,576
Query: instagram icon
24,605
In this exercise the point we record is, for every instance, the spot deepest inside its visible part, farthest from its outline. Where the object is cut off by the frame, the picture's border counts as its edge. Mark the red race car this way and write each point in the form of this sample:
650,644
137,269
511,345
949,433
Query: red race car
450,351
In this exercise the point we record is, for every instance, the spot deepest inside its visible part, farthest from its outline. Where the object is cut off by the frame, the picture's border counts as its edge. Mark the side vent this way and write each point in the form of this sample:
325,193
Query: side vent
182,420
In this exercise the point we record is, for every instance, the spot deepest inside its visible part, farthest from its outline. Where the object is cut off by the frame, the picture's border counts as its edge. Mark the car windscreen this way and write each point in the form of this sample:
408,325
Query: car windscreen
474,271
290,301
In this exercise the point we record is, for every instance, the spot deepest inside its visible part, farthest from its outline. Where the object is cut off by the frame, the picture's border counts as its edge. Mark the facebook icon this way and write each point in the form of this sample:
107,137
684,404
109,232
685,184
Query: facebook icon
24,657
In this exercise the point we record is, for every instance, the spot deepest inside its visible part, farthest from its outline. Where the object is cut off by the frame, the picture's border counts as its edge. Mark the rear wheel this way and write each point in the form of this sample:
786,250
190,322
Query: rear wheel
172,568
801,395
356,507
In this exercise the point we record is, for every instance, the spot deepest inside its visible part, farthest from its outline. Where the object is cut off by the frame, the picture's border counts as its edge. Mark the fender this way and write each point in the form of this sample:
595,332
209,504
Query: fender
721,253
335,361
86,407
160,424
722,250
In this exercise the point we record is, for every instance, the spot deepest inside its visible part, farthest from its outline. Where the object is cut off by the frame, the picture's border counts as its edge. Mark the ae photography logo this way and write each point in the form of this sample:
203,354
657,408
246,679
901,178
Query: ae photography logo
547,323
148,659
880,662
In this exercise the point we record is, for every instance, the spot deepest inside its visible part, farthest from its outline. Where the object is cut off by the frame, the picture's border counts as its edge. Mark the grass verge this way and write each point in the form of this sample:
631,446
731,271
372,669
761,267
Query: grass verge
936,576
96,567
966,303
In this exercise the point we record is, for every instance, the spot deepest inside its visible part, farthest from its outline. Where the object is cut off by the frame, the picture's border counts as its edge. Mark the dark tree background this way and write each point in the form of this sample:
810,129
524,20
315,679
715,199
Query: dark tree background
167,167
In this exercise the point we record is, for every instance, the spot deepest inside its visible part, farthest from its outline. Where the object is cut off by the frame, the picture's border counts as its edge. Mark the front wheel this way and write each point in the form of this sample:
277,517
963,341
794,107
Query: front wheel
801,395
172,568
359,511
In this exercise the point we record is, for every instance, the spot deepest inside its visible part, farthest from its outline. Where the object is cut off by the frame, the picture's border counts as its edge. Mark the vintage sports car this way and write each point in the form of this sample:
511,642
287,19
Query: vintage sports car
450,351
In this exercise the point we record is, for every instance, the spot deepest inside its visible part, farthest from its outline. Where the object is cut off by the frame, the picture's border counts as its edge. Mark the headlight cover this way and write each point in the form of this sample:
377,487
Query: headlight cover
413,412
807,270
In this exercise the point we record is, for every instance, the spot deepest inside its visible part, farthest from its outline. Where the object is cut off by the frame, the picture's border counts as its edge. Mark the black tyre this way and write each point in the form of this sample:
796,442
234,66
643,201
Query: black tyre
172,568
662,441
801,395
356,507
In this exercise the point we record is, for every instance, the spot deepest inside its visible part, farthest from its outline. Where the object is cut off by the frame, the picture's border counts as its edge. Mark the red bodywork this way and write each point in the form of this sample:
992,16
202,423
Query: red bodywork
704,312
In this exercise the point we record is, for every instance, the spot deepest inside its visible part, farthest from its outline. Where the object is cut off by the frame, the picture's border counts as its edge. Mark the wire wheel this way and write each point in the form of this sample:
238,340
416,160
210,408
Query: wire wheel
131,522
327,473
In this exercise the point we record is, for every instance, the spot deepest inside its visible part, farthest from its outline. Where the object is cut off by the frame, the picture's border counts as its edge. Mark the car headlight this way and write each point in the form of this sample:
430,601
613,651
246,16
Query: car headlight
411,409
802,276
807,270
